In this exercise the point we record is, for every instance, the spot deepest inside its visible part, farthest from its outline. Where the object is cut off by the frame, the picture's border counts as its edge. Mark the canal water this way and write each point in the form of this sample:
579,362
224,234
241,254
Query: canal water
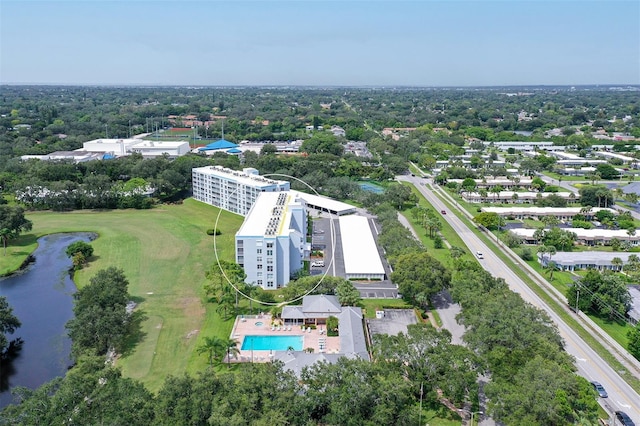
42,298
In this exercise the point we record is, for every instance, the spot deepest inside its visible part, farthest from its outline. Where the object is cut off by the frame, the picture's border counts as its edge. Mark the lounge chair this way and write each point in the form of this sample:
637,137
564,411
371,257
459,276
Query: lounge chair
273,327
289,328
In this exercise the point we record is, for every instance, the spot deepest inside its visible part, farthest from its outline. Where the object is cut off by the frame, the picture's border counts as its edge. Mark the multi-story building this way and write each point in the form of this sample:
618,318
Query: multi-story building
271,243
232,190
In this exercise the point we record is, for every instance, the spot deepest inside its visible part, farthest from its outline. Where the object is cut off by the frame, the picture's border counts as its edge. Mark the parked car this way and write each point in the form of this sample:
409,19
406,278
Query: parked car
317,264
624,419
600,389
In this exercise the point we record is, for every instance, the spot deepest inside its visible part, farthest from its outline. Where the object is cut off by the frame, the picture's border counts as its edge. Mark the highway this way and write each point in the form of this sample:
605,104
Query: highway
589,364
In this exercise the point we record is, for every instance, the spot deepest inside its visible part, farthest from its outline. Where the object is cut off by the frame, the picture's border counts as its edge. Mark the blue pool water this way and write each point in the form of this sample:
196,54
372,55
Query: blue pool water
272,343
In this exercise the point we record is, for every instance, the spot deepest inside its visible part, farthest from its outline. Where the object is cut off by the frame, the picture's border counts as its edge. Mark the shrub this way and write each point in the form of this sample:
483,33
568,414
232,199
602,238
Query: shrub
80,247
213,231
526,254
437,242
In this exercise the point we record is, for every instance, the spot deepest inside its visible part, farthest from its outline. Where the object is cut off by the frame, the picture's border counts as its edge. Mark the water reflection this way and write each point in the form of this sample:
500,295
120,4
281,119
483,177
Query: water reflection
41,298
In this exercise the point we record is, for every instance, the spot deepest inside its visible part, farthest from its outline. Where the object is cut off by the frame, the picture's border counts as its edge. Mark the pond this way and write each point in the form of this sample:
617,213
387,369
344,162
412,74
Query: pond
42,298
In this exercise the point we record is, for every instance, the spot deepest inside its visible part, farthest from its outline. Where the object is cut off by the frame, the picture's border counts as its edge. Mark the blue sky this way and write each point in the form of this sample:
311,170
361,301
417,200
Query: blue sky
350,43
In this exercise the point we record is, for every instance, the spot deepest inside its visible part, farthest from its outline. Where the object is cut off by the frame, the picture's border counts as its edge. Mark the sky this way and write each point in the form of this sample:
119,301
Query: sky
320,43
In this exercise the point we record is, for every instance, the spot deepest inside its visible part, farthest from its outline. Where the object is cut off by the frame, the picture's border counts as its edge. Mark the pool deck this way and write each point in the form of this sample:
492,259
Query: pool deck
246,326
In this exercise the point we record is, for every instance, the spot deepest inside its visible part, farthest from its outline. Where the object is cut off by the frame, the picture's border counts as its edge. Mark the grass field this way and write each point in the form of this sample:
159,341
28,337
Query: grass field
164,253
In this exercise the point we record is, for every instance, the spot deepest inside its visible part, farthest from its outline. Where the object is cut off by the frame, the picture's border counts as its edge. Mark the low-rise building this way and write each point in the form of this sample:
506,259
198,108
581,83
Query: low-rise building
361,258
511,197
561,213
571,261
590,237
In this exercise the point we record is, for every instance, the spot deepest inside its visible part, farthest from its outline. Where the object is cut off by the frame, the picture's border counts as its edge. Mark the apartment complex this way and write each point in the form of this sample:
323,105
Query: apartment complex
271,243
232,190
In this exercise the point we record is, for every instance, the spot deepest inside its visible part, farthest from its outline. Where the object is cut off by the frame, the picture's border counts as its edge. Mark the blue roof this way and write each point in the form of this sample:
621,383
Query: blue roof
221,144
234,151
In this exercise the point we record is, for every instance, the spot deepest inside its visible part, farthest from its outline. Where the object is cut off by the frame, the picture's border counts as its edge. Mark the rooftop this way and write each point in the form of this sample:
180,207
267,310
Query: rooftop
360,250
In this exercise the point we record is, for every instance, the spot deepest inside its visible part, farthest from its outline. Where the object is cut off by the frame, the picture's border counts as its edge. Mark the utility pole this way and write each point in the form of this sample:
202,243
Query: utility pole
577,298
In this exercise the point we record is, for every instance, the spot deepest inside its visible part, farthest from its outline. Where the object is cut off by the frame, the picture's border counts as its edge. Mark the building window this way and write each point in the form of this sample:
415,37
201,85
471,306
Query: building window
269,245
259,259
240,243
270,268
259,282
259,251
259,266
269,252
258,243
269,283
259,274
269,261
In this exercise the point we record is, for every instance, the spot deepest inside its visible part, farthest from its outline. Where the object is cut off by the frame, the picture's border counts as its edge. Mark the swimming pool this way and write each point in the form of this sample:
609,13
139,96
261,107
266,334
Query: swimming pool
272,343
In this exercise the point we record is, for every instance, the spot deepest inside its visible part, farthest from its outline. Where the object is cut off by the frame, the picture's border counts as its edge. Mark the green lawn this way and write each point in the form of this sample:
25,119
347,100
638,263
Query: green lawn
370,306
164,253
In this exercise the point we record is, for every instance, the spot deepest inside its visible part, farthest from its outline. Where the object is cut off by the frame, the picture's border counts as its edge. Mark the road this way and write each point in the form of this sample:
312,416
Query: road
589,364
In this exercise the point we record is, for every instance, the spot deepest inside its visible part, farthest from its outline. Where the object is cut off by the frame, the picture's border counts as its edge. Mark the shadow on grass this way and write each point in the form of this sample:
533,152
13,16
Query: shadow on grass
135,335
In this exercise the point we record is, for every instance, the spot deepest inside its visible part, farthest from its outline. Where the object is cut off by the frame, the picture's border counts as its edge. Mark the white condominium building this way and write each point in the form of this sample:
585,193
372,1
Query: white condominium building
232,190
271,243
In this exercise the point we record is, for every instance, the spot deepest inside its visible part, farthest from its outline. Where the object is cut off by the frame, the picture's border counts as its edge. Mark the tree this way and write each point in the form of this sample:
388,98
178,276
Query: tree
617,262
213,347
12,223
607,171
634,341
100,320
489,220
8,324
417,273
231,348
80,247
347,294
469,185
398,195
603,293
551,267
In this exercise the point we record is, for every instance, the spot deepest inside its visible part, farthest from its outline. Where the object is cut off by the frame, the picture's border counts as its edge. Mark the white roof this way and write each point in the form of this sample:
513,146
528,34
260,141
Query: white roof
360,249
261,214
334,206
588,257
160,144
584,234
524,194
541,211
251,180
614,155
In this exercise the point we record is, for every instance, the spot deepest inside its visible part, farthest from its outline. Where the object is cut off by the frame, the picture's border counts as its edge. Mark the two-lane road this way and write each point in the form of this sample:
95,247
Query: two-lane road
589,364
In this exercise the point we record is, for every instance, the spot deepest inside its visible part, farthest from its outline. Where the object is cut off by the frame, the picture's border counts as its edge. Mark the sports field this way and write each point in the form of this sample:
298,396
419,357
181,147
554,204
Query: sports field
164,253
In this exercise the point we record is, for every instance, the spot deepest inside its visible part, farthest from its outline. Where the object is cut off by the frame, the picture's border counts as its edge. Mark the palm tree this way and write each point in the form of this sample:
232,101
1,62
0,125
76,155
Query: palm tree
231,347
617,262
551,267
538,234
5,234
551,250
213,347
631,232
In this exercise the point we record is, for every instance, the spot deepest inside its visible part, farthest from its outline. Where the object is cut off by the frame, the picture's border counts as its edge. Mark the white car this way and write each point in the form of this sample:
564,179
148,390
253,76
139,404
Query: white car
317,264
479,255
